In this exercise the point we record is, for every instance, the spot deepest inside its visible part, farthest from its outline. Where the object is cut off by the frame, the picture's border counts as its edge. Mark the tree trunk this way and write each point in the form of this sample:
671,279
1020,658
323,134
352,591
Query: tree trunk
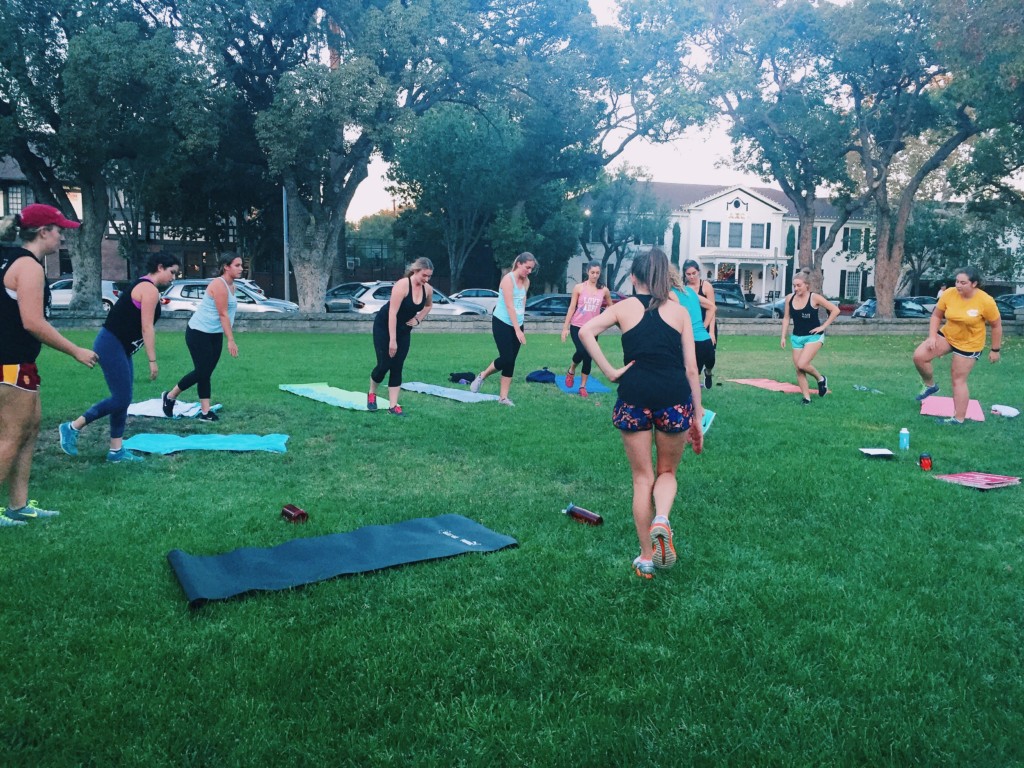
311,251
87,246
887,271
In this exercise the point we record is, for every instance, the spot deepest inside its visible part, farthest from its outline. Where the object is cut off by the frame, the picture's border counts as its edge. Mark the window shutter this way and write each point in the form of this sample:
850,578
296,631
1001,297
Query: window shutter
842,284
703,232
768,235
846,238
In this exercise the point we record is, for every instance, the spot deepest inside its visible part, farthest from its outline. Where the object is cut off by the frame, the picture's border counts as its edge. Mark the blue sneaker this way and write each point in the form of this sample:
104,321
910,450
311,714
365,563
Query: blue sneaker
927,392
7,522
68,438
117,457
950,422
30,512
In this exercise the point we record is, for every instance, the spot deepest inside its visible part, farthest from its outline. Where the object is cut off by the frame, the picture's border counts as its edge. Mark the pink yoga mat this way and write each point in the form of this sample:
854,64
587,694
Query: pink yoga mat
943,406
980,480
770,384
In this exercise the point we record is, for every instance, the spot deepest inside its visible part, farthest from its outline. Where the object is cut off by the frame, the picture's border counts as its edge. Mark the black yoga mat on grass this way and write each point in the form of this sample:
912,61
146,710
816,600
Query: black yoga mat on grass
305,561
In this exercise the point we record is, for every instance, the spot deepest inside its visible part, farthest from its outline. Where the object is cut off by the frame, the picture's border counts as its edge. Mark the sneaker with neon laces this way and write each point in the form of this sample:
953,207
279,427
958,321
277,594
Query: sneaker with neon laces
475,385
208,416
506,401
396,411
167,404
371,401
583,392
950,422
30,512
570,379
664,550
927,391
68,438
122,456
823,386
643,568
6,522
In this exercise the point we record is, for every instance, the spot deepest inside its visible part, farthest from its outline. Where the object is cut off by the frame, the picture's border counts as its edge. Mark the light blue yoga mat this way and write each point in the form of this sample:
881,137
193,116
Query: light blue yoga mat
462,395
594,385
324,393
164,444
305,561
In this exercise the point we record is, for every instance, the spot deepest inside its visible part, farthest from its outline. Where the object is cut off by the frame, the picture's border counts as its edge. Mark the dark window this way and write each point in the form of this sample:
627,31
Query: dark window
735,235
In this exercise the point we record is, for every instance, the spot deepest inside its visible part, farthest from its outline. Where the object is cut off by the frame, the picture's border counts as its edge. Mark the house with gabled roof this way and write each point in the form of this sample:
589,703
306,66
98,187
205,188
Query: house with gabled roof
748,235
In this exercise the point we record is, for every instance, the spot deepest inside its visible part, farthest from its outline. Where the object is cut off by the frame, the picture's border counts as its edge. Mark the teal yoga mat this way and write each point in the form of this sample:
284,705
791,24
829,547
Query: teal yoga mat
305,561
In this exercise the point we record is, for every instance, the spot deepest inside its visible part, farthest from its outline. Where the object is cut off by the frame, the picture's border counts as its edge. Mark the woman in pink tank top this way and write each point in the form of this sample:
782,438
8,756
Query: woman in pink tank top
588,299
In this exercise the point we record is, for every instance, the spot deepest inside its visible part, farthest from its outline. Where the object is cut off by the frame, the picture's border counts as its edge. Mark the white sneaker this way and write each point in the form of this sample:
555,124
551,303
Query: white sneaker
475,386
506,401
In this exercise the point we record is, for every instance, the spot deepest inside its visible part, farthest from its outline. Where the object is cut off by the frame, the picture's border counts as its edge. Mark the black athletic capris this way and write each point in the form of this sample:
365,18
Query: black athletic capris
581,356
205,349
508,346
385,363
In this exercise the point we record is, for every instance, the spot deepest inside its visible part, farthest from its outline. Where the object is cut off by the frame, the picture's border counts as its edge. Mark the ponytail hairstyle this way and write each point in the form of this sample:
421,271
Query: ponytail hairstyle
12,229
651,270
674,278
225,261
591,265
161,259
971,273
419,265
524,258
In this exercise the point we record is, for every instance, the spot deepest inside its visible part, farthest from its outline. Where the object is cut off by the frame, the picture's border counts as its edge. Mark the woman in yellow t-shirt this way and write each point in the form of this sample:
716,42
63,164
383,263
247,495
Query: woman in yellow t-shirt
966,310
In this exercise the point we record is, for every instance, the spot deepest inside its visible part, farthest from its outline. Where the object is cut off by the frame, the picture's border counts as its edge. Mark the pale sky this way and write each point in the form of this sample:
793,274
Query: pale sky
693,159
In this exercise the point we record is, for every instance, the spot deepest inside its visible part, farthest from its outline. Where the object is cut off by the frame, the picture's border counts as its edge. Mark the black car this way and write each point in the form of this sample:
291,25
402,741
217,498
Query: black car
904,308
341,298
1007,311
1015,300
731,305
548,305
728,287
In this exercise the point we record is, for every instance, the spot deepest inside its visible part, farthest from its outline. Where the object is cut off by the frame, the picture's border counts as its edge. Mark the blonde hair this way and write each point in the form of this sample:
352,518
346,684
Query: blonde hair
674,278
10,228
418,266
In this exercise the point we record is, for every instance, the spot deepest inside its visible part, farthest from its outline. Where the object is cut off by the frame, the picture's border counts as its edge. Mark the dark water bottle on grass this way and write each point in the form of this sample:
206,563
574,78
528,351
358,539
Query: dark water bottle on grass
581,515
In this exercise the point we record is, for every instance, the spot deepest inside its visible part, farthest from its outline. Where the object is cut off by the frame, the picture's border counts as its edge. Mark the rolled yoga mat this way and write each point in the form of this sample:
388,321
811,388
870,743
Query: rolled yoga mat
305,561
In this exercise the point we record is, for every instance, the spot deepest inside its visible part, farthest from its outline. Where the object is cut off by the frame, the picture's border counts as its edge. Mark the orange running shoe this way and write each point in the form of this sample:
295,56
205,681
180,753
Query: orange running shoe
664,551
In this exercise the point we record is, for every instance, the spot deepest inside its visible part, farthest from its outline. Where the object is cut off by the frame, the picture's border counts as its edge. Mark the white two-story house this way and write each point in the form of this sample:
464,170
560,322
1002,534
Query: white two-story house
749,235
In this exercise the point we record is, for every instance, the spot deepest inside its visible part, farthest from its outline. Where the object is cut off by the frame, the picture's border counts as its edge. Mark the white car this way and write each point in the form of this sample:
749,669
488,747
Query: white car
62,290
186,295
373,296
485,297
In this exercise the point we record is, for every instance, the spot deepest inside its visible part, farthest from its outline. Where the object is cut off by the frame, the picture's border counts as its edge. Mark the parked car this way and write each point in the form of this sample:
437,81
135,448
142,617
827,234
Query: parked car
374,296
252,286
548,305
61,290
618,296
1007,312
1015,300
485,297
341,298
729,287
905,307
730,305
777,307
928,302
185,295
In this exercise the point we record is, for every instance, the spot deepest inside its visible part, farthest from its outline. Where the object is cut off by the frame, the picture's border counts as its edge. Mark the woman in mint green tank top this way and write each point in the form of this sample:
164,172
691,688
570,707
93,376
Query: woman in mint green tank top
507,325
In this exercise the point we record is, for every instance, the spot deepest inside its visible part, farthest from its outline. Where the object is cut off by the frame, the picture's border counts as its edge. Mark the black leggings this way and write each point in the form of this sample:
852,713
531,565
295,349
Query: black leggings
508,347
205,349
705,355
581,356
386,363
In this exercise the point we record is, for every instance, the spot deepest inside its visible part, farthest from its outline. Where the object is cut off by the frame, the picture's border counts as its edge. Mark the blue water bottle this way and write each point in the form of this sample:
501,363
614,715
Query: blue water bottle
904,439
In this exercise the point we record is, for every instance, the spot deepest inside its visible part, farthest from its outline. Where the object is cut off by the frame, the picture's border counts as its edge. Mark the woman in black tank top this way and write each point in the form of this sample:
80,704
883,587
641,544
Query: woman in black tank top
659,399
808,332
128,328
411,301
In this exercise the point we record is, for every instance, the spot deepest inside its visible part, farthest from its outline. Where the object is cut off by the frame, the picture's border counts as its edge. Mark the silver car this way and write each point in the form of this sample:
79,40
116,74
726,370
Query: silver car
485,297
62,289
374,296
185,295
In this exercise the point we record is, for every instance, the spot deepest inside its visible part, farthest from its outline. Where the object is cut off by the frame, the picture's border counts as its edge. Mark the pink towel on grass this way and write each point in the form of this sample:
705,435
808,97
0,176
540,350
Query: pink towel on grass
943,407
770,384
981,480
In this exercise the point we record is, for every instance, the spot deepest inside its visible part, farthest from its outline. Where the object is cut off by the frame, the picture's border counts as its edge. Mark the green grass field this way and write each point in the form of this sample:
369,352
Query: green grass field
827,609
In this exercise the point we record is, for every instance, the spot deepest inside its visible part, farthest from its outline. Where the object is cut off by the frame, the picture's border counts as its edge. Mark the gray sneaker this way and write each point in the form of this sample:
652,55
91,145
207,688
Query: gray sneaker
29,512
506,401
68,438
475,386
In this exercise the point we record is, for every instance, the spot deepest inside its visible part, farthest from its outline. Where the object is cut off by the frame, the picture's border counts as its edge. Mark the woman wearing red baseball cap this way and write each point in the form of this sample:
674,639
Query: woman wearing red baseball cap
23,331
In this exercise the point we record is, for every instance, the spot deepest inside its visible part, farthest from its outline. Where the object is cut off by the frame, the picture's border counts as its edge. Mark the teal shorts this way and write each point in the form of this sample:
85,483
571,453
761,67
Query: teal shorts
799,342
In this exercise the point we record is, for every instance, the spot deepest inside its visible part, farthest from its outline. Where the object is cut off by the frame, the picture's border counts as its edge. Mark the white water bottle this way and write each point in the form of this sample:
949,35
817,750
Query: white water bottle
904,439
